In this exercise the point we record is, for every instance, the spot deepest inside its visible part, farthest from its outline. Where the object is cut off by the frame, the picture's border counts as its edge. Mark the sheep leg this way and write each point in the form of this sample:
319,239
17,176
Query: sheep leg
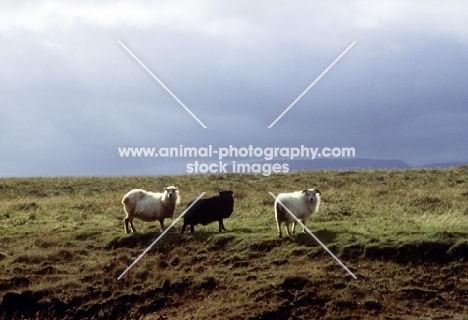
278,224
183,228
221,226
132,226
126,220
161,222
191,228
286,224
294,226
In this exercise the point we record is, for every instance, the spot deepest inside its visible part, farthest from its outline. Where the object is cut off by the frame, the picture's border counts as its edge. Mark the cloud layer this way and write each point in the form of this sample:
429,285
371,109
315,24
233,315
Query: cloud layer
70,95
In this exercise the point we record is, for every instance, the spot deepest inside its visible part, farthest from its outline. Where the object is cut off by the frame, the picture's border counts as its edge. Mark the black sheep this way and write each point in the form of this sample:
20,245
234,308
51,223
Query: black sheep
209,210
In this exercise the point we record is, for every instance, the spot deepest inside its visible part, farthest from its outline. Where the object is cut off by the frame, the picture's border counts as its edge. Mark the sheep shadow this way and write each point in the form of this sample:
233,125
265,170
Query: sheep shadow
131,240
305,239
145,239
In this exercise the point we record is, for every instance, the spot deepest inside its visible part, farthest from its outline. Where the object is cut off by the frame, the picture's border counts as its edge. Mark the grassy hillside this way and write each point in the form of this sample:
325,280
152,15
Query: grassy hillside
402,232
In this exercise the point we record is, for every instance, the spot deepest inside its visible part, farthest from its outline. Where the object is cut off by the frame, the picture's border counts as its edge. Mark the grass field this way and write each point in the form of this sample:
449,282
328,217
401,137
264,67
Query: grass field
402,232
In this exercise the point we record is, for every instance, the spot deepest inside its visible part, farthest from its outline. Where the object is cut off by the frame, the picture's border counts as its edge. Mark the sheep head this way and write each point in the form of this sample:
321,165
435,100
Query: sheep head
171,192
311,194
225,192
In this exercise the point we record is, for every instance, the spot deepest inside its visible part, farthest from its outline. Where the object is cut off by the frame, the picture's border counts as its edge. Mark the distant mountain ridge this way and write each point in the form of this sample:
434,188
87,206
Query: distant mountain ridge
444,165
345,164
356,164
322,164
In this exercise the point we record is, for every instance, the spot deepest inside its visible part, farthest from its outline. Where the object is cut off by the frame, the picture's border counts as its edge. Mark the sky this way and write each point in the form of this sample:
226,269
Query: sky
71,95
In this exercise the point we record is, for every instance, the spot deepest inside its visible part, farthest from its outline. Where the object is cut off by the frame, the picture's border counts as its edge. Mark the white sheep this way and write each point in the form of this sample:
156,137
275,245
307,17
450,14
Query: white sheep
301,203
149,206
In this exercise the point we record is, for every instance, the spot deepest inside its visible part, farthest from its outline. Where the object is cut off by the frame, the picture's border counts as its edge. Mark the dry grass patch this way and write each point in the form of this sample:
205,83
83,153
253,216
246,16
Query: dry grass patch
403,232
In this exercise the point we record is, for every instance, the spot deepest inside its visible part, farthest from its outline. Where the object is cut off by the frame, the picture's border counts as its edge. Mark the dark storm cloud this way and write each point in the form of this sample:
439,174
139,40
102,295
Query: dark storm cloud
71,95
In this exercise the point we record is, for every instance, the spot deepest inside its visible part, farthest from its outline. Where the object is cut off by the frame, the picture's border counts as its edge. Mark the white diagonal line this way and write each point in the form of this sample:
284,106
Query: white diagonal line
313,235
162,84
158,238
313,83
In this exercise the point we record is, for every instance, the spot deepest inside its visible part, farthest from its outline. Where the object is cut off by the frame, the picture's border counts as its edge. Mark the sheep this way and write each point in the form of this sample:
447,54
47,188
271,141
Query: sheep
208,210
149,206
301,203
